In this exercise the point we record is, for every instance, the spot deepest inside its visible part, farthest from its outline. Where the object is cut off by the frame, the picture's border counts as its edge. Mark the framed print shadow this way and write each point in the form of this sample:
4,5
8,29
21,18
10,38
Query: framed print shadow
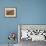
10,12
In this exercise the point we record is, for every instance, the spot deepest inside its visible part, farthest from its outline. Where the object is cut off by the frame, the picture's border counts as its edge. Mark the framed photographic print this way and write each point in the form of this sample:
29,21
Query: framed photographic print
10,12
33,32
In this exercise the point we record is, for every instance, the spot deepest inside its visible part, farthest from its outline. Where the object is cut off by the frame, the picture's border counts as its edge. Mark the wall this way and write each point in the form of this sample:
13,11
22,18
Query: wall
33,12
28,12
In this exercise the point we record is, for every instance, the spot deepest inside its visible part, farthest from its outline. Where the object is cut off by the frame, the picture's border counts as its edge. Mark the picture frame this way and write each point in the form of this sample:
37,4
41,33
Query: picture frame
10,12
37,29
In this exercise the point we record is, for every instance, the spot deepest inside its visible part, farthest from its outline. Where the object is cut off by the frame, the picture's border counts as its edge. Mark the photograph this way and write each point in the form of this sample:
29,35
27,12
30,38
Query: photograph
31,33
10,12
